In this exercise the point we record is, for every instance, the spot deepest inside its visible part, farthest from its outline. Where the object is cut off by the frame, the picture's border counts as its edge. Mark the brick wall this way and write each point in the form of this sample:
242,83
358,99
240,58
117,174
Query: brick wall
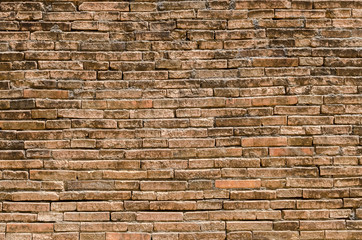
166,120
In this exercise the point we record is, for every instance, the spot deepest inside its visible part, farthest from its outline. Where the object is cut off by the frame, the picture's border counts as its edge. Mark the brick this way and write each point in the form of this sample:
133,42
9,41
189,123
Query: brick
25,207
52,175
109,6
100,226
14,36
181,5
180,227
182,143
80,113
311,120
257,194
173,205
249,225
23,125
327,193
135,236
340,140
35,196
238,183
263,4
160,186
277,234
99,206
271,101
310,182
29,227
343,234
161,216
295,151
200,24
310,110
86,216
341,171
315,225
45,94
315,204
264,141
275,62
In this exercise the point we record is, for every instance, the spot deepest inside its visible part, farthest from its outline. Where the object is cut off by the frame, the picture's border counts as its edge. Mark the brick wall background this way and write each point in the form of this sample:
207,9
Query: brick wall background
159,120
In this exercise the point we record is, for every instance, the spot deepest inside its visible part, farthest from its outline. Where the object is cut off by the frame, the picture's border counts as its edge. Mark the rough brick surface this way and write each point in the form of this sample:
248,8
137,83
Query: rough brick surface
179,120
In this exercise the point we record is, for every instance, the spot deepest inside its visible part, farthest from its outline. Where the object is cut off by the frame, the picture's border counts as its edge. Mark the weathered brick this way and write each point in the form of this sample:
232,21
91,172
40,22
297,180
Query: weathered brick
159,216
275,62
110,6
119,236
263,4
160,186
334,140
86,216
292,151
25,207
264,141
238,183
29,227
80,113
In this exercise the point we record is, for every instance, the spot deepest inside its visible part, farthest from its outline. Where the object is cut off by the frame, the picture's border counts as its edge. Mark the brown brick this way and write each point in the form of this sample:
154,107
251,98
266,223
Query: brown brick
136,236
340,140
160,186
275,62
315,204
25,207
110,6
295,151
161,216
264,141
341,171
29,227
238,183
86,216
80,113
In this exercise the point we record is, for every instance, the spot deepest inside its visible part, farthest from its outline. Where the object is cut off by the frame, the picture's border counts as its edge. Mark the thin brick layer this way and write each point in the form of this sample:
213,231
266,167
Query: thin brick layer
178,120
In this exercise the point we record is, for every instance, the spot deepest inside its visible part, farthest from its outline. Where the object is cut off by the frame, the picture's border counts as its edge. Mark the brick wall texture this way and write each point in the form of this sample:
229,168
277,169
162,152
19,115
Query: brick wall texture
180,120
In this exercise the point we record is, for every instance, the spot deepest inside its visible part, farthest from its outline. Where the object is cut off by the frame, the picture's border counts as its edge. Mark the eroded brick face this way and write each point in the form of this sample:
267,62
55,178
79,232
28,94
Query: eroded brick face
179,120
